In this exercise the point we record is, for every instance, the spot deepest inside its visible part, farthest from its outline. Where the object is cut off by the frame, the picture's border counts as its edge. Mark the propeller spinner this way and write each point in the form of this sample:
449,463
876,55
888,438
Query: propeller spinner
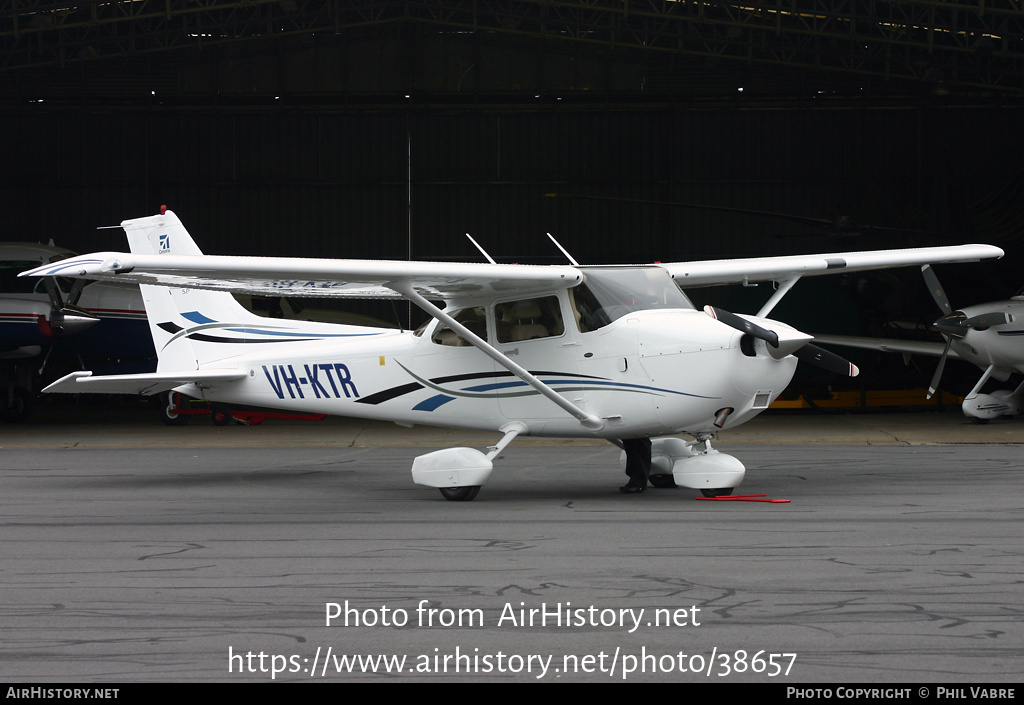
66,318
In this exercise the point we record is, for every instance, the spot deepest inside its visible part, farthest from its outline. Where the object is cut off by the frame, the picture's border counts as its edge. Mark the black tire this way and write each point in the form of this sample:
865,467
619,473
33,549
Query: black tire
21,406
459,494
721,492
662,482
220,415
168,403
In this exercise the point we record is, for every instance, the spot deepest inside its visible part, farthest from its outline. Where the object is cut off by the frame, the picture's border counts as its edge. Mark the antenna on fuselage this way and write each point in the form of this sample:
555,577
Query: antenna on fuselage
564,251
482,250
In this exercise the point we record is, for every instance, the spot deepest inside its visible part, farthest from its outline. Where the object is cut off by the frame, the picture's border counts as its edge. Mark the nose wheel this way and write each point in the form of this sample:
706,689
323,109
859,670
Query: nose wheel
662,482
459,494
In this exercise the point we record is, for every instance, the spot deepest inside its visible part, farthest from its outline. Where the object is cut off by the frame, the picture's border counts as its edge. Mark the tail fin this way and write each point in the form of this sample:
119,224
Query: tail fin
159,235
175,315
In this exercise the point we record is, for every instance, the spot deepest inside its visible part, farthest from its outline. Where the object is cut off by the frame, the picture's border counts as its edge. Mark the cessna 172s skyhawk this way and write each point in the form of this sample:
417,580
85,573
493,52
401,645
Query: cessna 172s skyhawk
617,353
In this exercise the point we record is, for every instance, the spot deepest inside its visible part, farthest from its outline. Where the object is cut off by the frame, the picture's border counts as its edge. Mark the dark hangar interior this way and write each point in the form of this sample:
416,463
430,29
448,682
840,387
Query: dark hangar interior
632,130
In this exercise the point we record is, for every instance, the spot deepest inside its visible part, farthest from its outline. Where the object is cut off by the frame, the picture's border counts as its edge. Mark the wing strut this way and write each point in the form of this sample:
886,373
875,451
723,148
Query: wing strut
981,382
784,286
588,421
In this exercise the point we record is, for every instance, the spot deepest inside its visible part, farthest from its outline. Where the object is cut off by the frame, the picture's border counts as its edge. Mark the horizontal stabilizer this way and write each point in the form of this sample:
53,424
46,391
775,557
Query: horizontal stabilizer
83,382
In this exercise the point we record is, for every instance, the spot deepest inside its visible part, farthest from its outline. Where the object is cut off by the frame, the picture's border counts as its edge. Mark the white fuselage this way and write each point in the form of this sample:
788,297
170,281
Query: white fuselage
648,373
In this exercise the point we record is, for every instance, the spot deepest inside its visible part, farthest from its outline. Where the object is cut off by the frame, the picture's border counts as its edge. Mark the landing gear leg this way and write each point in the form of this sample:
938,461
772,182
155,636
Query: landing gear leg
170,403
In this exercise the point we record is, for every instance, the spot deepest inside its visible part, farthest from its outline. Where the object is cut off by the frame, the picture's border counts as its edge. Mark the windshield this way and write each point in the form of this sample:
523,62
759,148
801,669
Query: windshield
608,294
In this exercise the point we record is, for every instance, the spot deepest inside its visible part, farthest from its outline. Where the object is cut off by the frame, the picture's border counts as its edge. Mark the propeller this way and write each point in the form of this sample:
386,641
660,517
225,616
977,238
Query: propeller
743,325
820,357
936,289
957,323
933,386
798,346
954,324
66,318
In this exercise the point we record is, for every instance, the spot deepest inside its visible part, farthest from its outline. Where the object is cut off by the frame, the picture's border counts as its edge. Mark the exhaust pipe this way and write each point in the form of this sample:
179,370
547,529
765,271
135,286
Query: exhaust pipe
721,415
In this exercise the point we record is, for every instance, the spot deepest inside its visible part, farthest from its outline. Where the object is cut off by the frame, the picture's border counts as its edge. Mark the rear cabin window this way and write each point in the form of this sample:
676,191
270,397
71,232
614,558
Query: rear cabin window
528,319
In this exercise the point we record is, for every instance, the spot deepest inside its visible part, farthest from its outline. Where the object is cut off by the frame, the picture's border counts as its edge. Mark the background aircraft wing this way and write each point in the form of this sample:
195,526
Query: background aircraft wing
734,271
912,347
286,276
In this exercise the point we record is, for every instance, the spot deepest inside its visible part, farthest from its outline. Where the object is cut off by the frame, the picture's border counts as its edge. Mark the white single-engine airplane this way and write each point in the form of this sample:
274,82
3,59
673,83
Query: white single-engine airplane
612,352
987,335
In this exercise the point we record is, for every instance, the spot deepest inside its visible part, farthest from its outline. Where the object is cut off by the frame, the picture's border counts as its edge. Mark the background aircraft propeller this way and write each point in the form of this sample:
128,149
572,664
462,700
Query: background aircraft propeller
957,324
954,324
66,318
801,349
937,292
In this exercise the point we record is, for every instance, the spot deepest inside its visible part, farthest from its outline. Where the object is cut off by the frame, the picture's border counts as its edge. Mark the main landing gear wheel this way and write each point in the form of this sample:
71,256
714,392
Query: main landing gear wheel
662,482
169,405
459,494
20,406
722,492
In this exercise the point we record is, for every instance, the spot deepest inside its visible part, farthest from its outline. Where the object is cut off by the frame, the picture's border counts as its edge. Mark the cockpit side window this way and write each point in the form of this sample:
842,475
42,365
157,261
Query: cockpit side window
586,309
528,319
473,318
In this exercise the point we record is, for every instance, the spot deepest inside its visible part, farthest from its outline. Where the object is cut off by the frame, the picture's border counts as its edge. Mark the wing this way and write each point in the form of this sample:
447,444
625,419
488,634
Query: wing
911,347
734,271
286,276
280,276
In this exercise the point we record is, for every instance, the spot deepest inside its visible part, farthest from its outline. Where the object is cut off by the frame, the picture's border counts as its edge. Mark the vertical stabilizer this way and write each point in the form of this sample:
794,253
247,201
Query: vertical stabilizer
159,235
174,313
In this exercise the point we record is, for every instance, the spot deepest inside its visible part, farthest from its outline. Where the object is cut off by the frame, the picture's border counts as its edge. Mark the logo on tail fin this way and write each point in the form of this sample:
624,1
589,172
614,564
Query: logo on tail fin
165,243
